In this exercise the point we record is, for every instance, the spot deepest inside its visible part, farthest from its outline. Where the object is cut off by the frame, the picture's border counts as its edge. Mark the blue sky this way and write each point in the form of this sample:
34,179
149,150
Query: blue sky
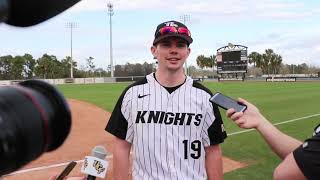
291,28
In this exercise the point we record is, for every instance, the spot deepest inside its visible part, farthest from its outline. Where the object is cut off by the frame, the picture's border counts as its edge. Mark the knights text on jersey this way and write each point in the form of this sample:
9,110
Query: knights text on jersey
168,131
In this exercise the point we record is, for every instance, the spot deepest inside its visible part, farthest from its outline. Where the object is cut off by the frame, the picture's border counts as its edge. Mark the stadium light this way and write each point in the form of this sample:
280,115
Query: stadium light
71,25
110,12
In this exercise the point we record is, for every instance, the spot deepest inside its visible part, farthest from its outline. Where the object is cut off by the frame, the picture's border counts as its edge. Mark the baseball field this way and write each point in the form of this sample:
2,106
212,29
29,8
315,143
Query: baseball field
293,107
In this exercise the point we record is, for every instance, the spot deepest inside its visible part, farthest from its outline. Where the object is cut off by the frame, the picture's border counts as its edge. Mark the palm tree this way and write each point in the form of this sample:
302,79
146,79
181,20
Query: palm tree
267,58
273,62
255,58
212,60
278,63
201,61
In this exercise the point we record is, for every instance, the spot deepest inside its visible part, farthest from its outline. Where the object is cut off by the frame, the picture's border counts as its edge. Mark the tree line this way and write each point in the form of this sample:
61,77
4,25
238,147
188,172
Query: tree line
45,67
269,62
136,69
50,67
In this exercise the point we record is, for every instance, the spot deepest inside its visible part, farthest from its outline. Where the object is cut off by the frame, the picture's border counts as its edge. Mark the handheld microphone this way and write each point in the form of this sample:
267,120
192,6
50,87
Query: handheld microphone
95,165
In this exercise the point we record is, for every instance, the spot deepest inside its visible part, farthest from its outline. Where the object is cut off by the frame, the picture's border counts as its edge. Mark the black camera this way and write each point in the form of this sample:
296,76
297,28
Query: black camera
34,118
25,13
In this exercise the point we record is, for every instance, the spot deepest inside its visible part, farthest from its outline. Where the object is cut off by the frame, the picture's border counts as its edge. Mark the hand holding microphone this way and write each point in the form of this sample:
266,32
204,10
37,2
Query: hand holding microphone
95,165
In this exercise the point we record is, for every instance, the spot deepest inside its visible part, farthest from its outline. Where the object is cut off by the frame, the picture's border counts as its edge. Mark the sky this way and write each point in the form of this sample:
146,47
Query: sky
290,27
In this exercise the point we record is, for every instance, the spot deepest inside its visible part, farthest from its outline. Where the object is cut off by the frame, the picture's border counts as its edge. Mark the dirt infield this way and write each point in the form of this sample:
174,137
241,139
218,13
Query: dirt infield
87,132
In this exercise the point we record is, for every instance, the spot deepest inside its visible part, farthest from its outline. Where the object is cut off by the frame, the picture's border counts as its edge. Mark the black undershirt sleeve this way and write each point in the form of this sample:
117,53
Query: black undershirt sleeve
216,131
117,124
307,157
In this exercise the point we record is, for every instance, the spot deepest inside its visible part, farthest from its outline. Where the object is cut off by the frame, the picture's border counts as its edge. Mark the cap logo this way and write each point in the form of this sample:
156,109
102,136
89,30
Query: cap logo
171,24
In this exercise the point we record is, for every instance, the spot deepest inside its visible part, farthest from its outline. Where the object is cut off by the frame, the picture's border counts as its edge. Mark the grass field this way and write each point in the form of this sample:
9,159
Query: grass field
279,102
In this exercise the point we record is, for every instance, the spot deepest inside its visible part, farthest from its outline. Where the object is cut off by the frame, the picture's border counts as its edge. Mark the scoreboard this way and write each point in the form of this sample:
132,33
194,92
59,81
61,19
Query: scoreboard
232,61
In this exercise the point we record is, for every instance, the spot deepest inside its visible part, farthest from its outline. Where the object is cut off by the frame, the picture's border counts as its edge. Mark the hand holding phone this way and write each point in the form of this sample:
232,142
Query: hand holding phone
226,102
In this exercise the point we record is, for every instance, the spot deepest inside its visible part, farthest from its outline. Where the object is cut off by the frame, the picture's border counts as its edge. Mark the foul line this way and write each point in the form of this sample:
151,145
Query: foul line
276,124
46,167
110,156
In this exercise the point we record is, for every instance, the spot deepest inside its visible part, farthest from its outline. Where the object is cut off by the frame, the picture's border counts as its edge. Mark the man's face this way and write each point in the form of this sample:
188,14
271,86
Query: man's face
171,53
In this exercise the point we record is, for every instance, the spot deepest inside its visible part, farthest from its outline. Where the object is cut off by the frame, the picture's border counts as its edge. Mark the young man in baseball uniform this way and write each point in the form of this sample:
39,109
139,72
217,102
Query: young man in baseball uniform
167,119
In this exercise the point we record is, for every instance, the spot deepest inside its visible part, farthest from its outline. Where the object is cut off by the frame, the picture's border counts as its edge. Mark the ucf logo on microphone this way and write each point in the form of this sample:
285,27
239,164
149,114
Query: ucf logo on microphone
98,166
85,163
94,166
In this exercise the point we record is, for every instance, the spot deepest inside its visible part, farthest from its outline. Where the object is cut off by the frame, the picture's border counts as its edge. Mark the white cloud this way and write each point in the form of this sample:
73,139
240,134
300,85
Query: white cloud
229,7
271,9
282,15
101,5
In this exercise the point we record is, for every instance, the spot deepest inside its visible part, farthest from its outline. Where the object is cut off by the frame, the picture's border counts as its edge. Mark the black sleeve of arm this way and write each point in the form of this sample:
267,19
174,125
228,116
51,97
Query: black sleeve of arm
216,131
117,124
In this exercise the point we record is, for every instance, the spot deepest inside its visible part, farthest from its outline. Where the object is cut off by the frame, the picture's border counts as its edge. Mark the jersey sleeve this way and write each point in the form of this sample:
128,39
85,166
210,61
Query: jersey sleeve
307,157
119,122
215,131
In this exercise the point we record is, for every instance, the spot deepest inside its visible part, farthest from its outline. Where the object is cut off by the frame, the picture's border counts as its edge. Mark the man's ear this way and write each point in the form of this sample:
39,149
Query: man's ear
189,51
154,52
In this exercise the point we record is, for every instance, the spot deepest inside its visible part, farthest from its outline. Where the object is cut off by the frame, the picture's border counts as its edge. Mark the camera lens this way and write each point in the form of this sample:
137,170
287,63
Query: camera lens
34,118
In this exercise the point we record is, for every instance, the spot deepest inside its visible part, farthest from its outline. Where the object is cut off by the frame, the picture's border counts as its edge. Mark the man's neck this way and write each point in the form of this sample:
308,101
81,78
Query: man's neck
170,78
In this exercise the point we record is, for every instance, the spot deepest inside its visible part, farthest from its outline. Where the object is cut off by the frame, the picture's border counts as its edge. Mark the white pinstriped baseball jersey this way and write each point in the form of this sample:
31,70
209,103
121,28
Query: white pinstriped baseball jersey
168,131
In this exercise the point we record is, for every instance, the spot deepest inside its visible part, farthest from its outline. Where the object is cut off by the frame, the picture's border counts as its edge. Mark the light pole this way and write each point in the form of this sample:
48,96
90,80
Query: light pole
184,18
71,25
110,12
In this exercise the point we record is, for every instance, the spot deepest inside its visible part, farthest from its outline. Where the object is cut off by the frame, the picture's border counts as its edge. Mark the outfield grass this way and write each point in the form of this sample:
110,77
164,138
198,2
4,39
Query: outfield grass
103,95
279,102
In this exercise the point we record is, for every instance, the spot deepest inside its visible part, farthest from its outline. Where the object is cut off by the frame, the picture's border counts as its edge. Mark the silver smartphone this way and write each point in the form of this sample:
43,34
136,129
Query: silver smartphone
226,102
